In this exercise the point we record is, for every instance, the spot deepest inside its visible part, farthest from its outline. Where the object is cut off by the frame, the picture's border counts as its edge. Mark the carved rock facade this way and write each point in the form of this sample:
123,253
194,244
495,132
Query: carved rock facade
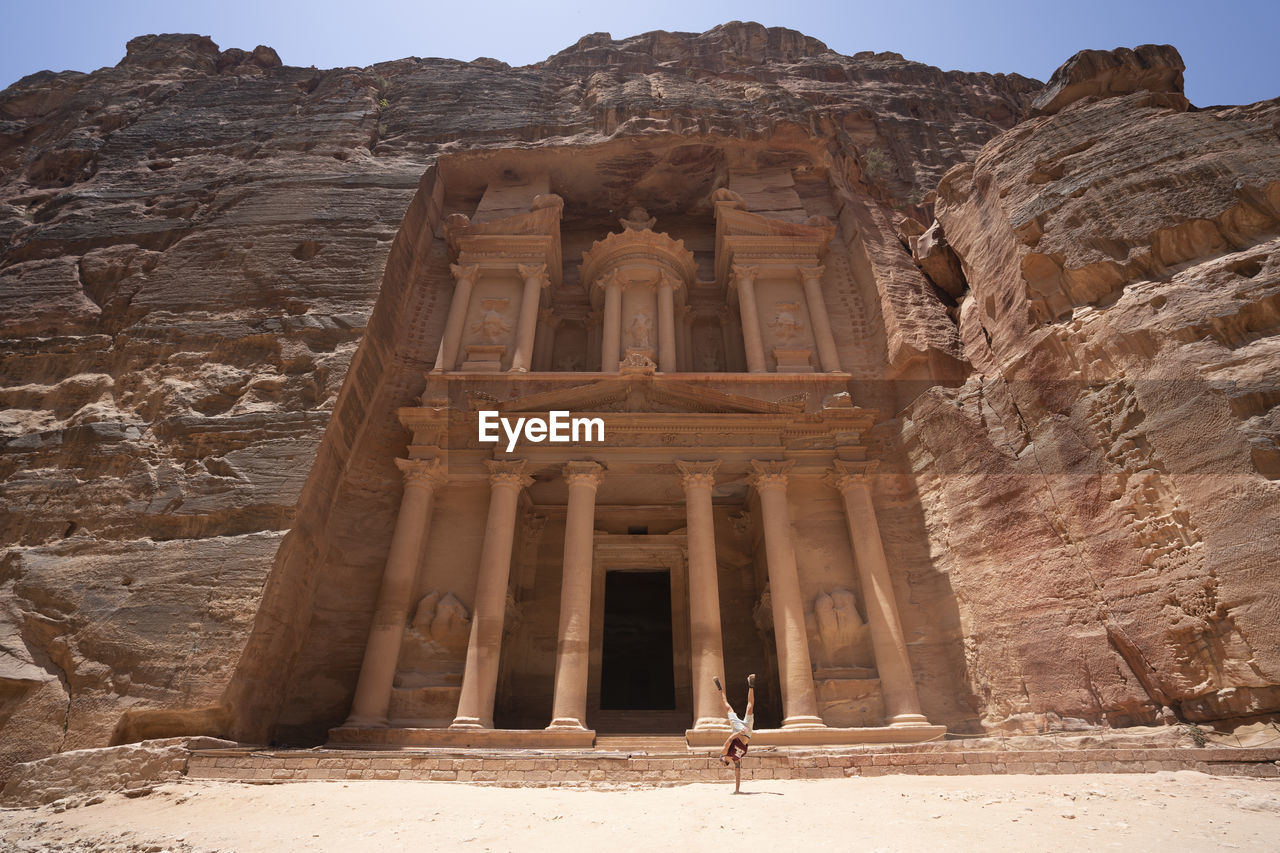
235,293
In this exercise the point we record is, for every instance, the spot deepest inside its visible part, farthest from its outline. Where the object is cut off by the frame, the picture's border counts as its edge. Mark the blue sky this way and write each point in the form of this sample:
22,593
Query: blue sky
1232,49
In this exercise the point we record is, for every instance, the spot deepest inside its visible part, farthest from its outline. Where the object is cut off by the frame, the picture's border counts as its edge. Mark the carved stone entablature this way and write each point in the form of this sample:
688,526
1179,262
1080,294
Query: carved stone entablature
526,238
638,259
743,237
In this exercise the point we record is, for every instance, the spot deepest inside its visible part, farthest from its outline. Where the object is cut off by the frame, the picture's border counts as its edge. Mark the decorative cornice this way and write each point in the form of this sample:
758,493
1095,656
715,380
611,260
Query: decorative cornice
767,475
428,473
650,247
583,471
693,474
508,473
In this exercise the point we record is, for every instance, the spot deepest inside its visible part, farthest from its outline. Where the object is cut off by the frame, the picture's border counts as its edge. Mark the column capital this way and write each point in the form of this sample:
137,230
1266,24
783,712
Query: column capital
548,317
508,473
464,272
583,471
422,472
745,272
770,474
814,273
666,279
612,278
845,475
697,473
536,272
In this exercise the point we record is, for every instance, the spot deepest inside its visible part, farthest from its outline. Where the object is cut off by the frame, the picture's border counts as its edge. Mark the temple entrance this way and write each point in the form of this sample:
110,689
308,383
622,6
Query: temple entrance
637,671
639,680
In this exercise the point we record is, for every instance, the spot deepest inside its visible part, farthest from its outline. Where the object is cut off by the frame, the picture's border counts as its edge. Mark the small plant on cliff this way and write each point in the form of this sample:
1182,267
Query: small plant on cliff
1196,733
383,103
875,162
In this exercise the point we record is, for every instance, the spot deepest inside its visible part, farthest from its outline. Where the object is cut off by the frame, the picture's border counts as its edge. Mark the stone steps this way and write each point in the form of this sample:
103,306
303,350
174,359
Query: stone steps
639,767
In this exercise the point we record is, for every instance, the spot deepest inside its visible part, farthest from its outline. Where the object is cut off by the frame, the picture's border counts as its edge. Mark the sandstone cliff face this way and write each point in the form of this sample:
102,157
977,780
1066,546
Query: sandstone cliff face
194,242
1107,477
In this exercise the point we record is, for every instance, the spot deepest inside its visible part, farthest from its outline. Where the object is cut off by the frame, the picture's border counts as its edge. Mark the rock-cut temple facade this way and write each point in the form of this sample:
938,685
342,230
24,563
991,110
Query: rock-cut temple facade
719,522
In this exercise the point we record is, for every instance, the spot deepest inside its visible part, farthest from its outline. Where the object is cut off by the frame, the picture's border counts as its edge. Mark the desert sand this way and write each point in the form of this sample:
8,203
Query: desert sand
1185,811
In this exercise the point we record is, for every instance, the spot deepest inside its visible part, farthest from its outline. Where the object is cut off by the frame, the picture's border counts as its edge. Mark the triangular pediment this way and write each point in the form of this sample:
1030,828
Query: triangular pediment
644,393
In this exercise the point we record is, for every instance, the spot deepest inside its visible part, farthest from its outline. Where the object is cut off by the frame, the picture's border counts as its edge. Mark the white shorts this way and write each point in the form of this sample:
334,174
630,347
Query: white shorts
739,726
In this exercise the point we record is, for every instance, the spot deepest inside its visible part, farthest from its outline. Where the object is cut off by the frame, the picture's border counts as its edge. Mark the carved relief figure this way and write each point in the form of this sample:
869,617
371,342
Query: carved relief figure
840,628
708,348
638,220
443,620
493,324
786,322
640,332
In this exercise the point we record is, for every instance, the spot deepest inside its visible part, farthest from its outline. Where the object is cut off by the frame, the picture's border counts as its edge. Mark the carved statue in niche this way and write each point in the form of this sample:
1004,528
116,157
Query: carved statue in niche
708,348
786,322
443,620
638,220
640,332
842,635
493,325
570,351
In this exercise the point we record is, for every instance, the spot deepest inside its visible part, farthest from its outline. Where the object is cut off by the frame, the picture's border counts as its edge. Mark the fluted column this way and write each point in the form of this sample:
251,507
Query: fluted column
465,278
744,278
705,639
897,684
812,280
611,340
667,323
480,675
382,649
573,646
799,703
535,278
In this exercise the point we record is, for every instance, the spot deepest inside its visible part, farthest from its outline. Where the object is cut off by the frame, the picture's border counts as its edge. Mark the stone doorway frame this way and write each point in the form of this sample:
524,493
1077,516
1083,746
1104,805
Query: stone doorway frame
640,552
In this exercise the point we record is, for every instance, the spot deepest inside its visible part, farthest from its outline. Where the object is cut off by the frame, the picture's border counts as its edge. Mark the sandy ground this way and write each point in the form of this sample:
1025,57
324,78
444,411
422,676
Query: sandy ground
1182,811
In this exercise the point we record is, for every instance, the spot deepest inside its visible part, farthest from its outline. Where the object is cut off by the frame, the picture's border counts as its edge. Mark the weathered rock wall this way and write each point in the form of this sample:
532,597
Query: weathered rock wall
1103,490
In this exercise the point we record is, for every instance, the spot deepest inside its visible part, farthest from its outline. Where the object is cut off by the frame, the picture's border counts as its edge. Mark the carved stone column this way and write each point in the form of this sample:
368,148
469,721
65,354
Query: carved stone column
465,278
382,650
799,703
611,340
535,278
902,704
573,646
744,278
812,279
667,323
544,346
480,675
705,639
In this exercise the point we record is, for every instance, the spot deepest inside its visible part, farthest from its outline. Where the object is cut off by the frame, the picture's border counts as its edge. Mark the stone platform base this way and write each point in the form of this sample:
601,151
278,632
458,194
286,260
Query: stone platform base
351,737
518,768
828,736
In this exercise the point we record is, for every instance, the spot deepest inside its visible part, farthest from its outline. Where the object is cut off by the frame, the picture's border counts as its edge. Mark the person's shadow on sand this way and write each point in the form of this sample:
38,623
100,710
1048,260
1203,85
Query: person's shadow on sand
753,793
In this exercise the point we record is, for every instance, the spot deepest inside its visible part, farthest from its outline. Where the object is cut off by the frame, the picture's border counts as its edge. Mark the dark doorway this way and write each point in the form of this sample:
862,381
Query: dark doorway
636,668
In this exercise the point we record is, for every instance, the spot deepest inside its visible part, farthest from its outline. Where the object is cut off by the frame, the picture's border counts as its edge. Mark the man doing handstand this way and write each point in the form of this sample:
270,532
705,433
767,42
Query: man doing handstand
736,746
